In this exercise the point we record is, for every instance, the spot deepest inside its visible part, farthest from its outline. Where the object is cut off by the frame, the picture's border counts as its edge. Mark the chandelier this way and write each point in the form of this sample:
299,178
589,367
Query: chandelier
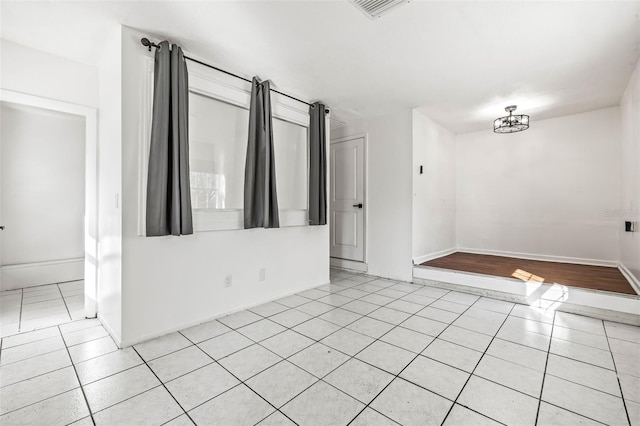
511,123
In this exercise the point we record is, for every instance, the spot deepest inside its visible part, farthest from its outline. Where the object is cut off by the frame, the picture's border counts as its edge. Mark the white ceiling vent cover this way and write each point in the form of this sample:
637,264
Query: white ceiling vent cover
376,8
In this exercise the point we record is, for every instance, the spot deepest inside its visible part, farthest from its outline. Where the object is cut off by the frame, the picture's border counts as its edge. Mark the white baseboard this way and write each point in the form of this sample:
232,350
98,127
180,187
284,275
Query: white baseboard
542,257
113,335
633,281
430,256
349,265
136,340
41,273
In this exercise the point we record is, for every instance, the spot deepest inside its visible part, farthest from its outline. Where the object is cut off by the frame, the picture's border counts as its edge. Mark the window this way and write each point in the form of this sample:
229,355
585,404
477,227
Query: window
217,149
290,150
218,128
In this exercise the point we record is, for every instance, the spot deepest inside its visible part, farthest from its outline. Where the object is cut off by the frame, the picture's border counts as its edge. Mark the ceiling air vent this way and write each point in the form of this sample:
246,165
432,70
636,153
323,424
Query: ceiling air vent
376,8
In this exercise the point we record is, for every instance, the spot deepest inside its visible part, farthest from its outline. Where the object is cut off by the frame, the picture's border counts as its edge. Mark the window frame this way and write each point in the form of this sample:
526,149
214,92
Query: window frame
222,87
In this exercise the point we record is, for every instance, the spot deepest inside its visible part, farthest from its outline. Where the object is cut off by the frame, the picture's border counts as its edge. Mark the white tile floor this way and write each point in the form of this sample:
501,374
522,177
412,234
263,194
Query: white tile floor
360,351
39,307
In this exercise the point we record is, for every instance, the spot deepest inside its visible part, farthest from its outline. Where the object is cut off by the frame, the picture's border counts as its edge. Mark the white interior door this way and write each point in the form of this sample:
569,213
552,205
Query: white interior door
347,201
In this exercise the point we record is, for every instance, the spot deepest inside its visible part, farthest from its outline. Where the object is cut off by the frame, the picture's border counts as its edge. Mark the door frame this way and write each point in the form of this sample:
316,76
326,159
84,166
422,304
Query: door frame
352,264
90,115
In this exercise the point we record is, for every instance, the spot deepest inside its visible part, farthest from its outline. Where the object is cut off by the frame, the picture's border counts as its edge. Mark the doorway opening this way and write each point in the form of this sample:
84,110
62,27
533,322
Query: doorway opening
48,212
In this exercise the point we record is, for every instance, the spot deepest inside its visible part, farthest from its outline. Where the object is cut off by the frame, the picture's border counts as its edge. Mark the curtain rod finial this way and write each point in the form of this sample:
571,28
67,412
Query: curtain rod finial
145,42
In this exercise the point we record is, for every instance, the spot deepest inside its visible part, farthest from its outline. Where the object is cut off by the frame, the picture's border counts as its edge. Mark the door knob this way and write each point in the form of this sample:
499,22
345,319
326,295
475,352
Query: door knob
358,205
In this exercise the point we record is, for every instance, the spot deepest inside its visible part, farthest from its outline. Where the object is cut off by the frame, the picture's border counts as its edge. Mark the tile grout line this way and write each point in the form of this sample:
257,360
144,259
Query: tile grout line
44,399
579,360
58,369
61,368
84,395
578,383
378,307
286,328
350,357
570,381
45,316
64,302
253,342
345,326
376,340
85,384
55,350
576,413
335,307
476,366
161,382
315,341
558,355
396,376
128,398
341,327
434,338
624,402
99,356
241,382
418,287
44,338
71,281
523,393
546,363
20,316
39,375
31,357
361,316
22,304
332,309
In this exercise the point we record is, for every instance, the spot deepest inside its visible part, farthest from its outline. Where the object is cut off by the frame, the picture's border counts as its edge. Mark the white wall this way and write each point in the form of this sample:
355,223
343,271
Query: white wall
43,200
545,191
630,205
39,73
110,185
434,191
389,184
172,282
42,185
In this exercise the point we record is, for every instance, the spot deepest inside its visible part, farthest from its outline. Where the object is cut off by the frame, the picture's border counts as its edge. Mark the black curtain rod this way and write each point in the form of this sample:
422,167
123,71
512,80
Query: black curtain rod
149,44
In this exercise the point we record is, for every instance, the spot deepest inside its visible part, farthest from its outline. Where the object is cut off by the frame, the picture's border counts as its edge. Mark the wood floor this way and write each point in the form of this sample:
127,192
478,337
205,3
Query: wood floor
584,276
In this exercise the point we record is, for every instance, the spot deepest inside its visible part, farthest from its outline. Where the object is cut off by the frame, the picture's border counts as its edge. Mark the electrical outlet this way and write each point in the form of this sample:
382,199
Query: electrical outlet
262,274
228,281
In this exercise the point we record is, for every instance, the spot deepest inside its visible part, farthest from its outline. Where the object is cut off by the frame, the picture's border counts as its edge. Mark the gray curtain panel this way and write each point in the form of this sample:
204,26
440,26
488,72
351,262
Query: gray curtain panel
260,198
168,188
317,165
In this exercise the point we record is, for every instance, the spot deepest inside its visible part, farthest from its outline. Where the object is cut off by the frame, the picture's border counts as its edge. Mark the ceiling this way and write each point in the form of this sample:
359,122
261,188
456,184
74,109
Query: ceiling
460,63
